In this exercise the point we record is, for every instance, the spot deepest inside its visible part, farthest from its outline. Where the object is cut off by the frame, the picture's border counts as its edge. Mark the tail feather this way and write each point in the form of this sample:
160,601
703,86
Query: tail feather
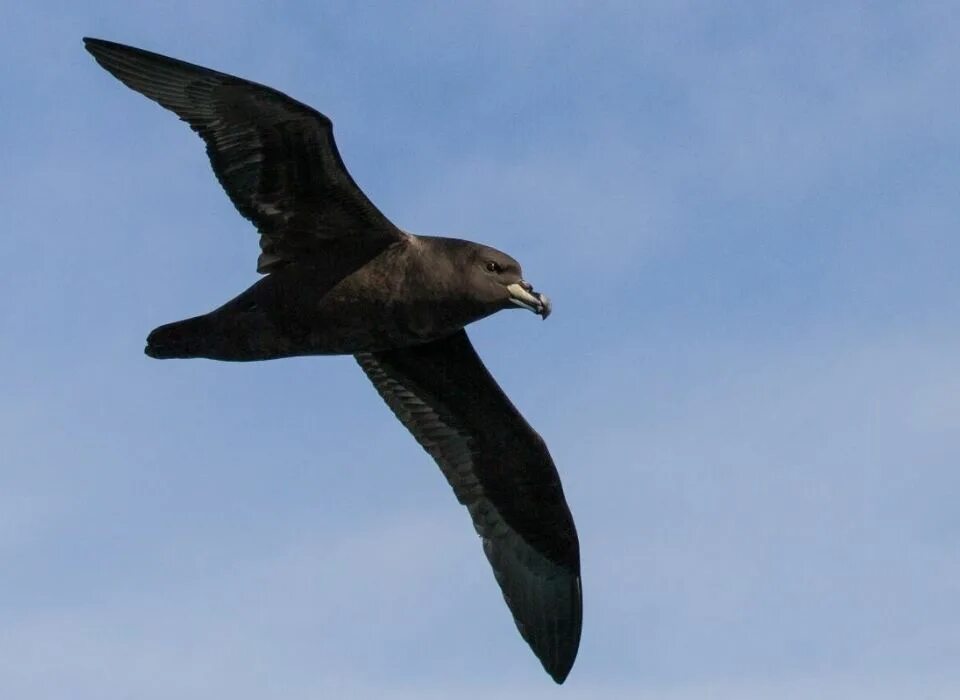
180,339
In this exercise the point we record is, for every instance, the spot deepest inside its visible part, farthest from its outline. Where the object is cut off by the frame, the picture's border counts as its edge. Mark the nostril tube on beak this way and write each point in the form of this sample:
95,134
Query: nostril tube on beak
545,306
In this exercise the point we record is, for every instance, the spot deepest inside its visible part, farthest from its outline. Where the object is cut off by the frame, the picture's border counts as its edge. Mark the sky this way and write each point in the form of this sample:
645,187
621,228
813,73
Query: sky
746,215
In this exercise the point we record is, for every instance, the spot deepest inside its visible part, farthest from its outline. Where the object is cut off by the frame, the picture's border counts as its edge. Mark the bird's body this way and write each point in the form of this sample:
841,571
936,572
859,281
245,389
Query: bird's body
342,279
396,299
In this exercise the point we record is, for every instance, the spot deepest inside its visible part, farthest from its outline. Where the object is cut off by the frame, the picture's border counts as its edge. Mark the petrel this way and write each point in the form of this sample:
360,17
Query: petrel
340,278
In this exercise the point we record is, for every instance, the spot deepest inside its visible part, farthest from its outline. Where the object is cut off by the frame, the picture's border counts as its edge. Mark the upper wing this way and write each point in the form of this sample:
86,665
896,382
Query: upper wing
274,156
500,469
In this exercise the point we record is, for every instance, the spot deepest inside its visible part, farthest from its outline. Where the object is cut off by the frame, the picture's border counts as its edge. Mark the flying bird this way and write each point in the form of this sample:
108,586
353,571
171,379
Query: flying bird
340,278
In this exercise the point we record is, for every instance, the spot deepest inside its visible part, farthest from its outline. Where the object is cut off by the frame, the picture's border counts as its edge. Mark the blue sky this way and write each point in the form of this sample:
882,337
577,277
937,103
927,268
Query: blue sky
747,219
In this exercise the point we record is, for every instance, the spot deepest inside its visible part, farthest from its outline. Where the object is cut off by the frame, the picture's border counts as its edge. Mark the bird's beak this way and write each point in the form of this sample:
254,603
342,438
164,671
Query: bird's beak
522,294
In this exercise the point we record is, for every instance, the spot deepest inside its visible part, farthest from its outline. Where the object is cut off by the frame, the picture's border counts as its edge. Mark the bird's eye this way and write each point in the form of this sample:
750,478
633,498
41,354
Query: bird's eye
493,267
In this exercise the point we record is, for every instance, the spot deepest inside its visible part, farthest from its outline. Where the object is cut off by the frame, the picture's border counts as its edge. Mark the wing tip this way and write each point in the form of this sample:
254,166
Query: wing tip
559,675
559,668
556,648
564,652
113,53
95,46
105,52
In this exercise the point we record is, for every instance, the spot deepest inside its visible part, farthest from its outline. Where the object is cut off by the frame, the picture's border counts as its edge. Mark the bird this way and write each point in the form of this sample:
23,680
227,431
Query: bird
339,278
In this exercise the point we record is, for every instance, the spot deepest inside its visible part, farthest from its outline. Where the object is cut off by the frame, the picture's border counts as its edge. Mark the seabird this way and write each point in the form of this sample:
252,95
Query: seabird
340,278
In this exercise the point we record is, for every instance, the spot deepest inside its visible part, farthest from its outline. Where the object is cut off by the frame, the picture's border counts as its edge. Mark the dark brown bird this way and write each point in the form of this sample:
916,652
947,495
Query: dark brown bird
340,278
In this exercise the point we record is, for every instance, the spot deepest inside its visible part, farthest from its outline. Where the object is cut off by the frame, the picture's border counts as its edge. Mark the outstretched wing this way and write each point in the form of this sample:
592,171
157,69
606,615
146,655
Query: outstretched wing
500,469
275,157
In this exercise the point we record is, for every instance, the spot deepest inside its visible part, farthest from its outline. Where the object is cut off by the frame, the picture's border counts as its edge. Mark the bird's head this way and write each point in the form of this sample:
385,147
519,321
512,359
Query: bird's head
497,279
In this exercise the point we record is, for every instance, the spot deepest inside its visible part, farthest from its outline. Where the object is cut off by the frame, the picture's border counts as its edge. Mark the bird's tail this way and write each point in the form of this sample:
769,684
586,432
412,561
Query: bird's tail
180,339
